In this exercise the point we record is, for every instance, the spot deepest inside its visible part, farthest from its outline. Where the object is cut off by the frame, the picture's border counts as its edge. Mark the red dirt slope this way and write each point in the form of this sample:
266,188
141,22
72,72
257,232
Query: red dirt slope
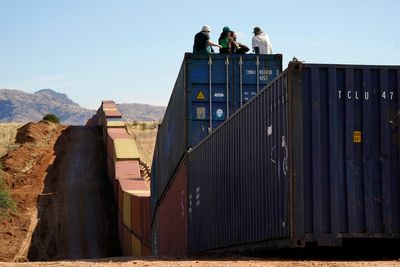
24,171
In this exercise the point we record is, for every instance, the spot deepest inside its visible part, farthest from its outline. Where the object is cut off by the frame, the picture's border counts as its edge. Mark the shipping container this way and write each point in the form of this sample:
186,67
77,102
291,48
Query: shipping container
127,169
172,214
312,159
125,149
134,216
115,124
117,133
209,88
140,214
112,113
114,133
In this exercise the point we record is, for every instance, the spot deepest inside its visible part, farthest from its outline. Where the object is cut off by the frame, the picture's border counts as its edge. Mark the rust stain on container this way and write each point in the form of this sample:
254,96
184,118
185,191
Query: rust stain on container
173,216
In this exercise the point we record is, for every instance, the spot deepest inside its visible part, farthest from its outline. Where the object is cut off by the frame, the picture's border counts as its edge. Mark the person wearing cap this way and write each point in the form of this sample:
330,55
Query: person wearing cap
260,42
226,41
202,43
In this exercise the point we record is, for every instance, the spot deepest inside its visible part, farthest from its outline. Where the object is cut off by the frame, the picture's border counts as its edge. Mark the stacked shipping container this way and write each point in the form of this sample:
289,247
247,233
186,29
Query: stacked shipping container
131,191
313,158
207,91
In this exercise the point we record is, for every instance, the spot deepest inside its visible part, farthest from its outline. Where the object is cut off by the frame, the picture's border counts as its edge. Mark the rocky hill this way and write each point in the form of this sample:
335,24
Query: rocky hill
141,112
19,106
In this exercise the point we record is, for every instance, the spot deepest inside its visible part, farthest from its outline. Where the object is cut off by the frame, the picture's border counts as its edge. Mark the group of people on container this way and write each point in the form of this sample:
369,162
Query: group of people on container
228,44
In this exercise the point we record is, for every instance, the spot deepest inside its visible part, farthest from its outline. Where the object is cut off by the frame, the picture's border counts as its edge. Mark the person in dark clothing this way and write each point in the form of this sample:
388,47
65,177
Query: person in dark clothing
202,43
241,48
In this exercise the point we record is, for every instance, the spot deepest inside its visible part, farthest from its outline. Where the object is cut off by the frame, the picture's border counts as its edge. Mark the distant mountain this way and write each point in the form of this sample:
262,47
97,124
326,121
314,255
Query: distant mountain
19,106
141,112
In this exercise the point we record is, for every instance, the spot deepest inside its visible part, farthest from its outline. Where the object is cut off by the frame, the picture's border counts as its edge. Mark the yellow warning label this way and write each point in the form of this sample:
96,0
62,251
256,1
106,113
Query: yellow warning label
357,137
200,96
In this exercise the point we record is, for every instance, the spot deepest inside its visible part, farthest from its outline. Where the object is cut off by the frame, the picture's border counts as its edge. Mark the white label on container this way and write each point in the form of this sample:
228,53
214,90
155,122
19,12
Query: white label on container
219,113
269,130
219,95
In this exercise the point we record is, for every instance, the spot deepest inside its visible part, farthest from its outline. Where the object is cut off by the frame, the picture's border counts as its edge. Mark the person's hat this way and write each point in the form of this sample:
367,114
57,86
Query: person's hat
226,29
257,30
206,28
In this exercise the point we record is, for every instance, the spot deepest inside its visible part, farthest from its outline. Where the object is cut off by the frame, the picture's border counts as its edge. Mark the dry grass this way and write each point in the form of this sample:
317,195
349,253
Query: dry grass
145,134
8,131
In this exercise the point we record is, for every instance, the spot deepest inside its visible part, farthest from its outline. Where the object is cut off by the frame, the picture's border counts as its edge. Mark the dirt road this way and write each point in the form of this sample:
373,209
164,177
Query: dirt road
76,210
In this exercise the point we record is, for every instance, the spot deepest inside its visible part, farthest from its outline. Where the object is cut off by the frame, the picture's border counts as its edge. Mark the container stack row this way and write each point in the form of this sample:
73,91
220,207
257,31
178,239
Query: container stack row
132,193
207,92
311,159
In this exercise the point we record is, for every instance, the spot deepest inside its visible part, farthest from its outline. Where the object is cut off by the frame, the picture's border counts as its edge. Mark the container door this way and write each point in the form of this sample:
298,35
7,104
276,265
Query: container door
210,84
247,69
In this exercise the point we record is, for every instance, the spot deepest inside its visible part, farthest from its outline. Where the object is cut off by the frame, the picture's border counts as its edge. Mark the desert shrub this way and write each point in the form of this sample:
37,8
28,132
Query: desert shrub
6,201
143,126
52,118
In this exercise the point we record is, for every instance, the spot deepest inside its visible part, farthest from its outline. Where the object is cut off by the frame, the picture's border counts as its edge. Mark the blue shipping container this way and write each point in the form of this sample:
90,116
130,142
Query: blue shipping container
313,158
209,89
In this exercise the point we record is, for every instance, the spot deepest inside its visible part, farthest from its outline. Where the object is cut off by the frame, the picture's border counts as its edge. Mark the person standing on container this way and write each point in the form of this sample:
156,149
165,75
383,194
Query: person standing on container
202,43
260,42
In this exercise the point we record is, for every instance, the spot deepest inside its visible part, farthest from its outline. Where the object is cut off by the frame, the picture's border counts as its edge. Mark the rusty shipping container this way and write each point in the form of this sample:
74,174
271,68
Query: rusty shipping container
208,89
134,217
172,214
313,158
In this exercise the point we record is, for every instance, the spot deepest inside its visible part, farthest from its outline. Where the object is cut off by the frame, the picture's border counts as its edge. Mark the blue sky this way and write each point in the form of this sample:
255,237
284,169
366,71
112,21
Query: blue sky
131,51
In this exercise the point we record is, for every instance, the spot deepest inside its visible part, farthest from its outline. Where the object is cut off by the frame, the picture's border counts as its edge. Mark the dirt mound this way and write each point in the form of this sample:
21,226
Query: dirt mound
24,171
33,132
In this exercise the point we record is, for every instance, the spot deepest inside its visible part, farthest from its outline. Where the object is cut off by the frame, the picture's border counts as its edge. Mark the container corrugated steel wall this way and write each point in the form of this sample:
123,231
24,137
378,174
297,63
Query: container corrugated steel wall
173,215
171,136
313,158
346,143
238,189
208,89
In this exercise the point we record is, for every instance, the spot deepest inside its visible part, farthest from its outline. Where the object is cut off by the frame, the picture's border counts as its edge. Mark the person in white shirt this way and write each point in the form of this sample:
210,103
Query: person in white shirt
260,42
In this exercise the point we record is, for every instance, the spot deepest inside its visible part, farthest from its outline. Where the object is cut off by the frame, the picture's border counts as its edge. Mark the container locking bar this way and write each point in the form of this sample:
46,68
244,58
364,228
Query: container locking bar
227,86
210,92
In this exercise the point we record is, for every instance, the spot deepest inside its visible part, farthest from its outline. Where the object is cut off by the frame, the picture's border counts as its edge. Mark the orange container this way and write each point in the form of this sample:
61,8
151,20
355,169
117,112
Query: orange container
127,169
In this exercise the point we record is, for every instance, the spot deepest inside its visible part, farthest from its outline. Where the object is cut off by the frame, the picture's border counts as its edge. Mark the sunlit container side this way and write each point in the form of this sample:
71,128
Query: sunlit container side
313,158
128,189
114,133
125,149
115,124
108,104
172,215
207,91
111,124
127,169
112,113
